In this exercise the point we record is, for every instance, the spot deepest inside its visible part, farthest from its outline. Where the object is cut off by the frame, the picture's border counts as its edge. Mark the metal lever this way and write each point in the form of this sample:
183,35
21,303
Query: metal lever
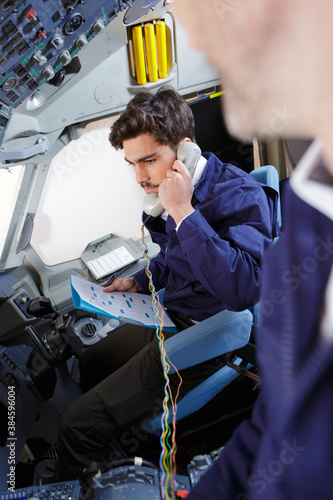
41,147
41,347
241,369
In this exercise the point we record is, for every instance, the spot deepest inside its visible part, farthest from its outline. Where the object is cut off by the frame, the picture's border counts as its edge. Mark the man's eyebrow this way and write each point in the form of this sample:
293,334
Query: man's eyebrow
140,160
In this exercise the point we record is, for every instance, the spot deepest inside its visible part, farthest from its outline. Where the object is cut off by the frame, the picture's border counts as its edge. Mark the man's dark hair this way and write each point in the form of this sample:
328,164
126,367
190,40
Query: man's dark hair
165,115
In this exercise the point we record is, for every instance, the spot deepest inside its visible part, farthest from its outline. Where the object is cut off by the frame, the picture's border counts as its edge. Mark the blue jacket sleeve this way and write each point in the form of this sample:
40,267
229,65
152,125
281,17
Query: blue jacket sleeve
216,251
229,478
226,261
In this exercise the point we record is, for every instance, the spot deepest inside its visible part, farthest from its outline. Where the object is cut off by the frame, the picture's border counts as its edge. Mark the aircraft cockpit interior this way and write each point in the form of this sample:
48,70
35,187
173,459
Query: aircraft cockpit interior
70,209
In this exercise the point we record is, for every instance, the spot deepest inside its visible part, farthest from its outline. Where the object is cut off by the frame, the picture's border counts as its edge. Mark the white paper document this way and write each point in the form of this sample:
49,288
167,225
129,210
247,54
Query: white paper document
131,307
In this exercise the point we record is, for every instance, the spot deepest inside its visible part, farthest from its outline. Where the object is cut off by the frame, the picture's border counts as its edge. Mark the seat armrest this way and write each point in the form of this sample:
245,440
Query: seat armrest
224,332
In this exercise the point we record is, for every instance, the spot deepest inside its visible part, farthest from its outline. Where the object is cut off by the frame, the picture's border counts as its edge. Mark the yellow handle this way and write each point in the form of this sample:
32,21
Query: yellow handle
139,55
151,52
161,45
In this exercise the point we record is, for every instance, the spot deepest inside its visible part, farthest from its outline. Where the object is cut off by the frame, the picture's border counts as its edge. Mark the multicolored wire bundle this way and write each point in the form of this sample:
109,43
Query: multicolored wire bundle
167,461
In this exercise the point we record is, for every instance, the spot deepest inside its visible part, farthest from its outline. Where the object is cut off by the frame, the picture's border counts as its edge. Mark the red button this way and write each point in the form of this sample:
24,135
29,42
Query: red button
182,494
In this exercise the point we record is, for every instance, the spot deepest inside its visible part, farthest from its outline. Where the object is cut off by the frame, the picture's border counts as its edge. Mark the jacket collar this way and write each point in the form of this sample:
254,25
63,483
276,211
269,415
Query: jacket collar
209,177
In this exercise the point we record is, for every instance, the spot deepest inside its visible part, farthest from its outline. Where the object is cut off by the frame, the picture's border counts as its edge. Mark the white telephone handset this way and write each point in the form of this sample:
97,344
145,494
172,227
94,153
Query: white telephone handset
188,153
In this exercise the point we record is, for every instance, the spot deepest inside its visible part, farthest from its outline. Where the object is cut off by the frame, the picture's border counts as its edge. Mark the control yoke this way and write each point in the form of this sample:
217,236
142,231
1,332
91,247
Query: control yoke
57,345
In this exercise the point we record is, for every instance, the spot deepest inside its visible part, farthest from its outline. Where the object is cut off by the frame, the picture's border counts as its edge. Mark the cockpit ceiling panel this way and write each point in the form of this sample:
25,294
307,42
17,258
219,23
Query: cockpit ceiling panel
139,9
38,39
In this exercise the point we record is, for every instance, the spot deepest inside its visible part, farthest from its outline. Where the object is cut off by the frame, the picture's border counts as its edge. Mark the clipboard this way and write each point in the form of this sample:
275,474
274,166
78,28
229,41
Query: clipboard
131,307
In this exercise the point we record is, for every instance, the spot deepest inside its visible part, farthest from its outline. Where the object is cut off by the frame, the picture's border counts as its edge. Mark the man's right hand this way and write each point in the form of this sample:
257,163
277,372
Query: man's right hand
122,285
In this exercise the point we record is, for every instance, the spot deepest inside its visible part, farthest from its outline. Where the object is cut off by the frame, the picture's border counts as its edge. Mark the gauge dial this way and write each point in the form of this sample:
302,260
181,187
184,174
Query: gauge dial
73,24
10,381
9,83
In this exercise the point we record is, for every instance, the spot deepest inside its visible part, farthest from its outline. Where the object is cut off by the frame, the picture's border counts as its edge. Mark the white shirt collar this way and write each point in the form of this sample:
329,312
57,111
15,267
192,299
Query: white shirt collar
312,182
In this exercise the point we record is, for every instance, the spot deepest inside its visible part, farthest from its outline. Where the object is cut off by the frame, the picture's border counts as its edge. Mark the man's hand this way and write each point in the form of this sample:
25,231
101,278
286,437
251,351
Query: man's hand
122,285
175,192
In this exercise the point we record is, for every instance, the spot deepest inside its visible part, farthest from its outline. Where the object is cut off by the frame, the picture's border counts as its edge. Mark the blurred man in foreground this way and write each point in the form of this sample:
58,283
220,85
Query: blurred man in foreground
274,58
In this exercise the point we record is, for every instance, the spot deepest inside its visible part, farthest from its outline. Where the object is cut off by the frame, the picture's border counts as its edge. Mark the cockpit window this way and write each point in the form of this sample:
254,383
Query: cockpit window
10,183
90,192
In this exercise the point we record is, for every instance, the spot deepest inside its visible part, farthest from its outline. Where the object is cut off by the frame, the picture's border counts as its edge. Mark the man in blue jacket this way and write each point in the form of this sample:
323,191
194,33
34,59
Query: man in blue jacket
276,67
212,234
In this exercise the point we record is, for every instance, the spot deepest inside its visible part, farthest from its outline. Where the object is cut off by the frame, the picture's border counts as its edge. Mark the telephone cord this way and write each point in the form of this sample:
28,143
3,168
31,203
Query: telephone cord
168,451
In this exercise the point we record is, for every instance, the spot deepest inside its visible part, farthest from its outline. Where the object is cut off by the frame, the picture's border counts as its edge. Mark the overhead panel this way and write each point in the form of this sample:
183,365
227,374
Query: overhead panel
39,41
139,9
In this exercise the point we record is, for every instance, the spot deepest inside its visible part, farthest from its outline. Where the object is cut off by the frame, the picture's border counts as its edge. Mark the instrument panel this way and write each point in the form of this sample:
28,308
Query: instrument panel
39,41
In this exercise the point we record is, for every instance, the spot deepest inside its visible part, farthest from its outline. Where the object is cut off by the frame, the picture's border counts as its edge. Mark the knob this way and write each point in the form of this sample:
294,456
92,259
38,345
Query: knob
39,58
81,41
48,73
58,78
65,57
98,26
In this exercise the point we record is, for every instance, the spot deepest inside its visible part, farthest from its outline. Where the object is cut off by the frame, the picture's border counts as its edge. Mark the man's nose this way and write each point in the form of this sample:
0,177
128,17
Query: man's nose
141,175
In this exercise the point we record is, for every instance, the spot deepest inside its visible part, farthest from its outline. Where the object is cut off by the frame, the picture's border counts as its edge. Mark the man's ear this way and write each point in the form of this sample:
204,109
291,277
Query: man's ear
186,139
